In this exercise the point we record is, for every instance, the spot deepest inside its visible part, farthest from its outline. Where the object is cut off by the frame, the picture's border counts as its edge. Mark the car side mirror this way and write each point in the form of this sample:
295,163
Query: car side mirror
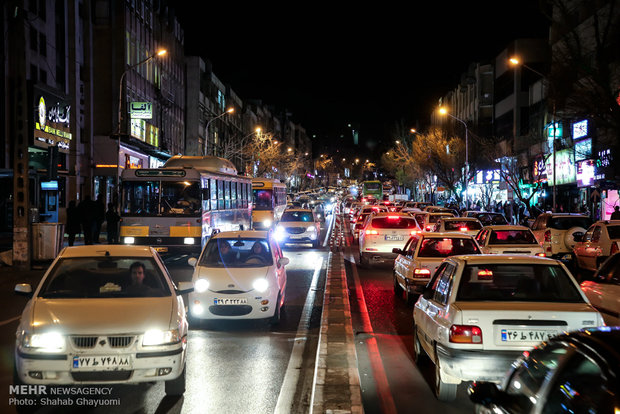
192,261
184,287
283,261
428,293
485,393
23,289
397,250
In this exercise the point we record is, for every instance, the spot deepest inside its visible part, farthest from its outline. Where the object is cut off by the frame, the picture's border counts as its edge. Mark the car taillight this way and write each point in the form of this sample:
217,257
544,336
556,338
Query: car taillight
614,248
541,255
359,218
465,334
429,227
420,272
414,232
548,236
463,229
369,231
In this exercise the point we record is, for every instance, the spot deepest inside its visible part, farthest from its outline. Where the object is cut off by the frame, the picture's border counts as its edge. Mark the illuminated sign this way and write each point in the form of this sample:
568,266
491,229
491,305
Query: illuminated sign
583,149
138,129
564,167
586,171
580,129
554,130
51,121
141,110
160,173
539,171
487,177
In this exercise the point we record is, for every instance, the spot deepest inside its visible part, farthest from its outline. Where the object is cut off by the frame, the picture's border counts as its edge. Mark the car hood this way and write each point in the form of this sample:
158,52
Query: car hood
96,316
231,278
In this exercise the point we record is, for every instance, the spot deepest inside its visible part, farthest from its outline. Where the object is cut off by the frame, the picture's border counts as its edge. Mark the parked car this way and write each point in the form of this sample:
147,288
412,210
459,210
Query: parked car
487,218
417,261
298,225
466,225
382,233
599,242
556,233
572,373
103,314
506,239
479,313
604,290
239,275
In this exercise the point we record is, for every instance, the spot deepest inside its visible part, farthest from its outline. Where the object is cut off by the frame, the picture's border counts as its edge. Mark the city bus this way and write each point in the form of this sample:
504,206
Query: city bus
177,207
269,202
372,188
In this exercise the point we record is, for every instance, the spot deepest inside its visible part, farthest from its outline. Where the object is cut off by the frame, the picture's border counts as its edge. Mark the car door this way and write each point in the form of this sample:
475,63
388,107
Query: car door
421,315
408,258
580,247
592,249
400,263
481,239
604,291
279,269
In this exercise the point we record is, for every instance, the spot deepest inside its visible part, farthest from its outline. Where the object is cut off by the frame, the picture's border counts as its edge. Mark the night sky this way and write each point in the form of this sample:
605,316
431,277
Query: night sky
371,66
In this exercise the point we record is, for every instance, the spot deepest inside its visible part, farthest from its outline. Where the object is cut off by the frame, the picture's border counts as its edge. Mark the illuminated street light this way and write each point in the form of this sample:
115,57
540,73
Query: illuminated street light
228,111
444,111
413,130
515,61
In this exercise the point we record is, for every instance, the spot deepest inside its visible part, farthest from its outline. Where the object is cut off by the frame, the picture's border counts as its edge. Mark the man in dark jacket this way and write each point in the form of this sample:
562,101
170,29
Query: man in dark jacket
87,214
99,218
112,219
73,221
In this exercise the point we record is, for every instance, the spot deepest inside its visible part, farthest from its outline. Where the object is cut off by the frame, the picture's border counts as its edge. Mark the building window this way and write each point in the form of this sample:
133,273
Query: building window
42,44
43,76
42,10
33,73
34,37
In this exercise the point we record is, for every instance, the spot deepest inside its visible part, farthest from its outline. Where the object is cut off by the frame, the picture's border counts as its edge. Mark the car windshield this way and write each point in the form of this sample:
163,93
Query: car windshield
565,223
304,216
444,247
512,237
460,225
517,282
614,232
394,222
236,252
104,277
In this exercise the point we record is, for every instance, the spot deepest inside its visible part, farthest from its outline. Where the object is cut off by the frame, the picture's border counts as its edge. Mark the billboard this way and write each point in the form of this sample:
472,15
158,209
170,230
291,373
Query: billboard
564,168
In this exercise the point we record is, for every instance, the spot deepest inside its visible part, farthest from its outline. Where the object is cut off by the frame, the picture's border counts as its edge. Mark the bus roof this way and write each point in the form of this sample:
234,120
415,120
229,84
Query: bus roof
267,183
206,163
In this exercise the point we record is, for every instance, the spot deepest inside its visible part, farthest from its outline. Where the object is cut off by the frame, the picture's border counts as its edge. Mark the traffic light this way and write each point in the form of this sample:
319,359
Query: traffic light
52,163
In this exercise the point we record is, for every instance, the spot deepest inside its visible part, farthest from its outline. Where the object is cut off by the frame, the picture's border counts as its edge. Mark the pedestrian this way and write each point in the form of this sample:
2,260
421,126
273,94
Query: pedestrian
112,219
616,214
87,215
99,218
508,211
73,221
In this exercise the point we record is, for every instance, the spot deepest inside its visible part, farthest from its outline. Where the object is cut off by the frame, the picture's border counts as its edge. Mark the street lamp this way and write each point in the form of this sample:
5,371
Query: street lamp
444,111
160,53
228,111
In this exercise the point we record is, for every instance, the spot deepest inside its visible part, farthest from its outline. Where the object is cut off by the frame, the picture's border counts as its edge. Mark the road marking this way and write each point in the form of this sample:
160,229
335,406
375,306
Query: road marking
295,363
8,321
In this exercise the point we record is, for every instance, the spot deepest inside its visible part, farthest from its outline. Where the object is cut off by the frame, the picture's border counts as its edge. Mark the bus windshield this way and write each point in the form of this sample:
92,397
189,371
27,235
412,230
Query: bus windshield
161,198
263,200
372,185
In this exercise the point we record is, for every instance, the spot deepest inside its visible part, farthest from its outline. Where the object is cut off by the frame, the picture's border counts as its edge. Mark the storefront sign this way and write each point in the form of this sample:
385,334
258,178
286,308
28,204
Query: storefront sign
141,110
583,150
51,121
580,129
586,171
487,177
553,130
539,170
564,167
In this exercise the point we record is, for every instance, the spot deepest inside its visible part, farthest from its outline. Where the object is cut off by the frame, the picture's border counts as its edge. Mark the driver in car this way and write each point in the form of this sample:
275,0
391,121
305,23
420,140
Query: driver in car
257,253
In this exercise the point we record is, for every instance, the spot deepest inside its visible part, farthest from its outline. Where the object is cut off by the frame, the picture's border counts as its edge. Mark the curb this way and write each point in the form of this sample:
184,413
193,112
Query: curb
337,387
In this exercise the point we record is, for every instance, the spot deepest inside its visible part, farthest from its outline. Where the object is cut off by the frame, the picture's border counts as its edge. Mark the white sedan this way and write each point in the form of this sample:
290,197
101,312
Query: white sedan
103,314
382,233
239,275
479,313
604,290
465,225
507,239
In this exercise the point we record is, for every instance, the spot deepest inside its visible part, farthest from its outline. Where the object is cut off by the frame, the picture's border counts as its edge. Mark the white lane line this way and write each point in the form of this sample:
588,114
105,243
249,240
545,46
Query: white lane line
8,321
329,229
295,363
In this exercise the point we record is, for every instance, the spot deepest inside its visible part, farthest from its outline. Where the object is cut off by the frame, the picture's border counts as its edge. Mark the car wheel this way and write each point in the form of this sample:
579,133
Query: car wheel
410,297
277,316
443,391
398,290
420,357
363,260
176,387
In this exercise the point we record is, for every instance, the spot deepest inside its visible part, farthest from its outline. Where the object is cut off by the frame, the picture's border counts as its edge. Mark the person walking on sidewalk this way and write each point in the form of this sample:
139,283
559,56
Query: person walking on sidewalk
73,221
87,215
99,218
112,219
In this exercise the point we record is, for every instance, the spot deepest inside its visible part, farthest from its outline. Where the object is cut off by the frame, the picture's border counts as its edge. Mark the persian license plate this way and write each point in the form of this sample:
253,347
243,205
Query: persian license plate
526,335
230,301
394,238
101,362
161,249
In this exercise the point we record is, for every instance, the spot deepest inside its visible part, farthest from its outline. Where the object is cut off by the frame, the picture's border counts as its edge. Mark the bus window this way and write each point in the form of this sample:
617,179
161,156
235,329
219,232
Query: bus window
240,195
140,198
206,194
213,189
233,195
262,200
227,195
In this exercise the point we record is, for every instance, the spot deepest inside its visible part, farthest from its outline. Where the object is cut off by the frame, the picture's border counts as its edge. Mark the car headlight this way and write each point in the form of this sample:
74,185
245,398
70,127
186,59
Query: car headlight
129,240
188,240
260,285
45,342
201,285
157,337
279,233
267,222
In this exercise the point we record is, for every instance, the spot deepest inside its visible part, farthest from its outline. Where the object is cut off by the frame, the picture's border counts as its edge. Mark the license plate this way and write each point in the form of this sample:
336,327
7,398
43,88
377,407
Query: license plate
161,249
394,238
526,335
230,301
101,362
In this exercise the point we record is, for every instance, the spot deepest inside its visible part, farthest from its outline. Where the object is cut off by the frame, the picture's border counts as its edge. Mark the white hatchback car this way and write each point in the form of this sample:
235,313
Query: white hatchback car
239,275
382,234
507,239
479,313
298,225
103,314
604,290
599,242
427,220
465,225
416,263
556,233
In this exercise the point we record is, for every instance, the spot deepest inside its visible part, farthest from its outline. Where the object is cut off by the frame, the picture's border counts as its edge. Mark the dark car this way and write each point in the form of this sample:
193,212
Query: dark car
578,372
487,218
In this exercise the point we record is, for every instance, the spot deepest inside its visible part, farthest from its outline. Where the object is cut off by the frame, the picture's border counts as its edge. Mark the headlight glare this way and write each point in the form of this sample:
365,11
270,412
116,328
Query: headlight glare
188,240
260,285
129,240
267,222
158,337
46,342
201,285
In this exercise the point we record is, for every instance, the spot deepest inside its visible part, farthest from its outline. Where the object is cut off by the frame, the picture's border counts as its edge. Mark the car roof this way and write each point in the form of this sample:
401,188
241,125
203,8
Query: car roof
299,209
447,235
565,215
246,234
392,213
113,250
506,227
504,259
460,219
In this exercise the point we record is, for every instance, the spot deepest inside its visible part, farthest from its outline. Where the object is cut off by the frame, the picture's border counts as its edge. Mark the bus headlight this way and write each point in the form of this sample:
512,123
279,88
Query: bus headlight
188,240
267,222
201,285
129,240
260,285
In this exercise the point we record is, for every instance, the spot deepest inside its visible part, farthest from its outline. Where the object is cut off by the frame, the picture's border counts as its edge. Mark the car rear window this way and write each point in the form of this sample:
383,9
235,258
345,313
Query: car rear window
614,232
394,222
432,218
517,282
565,223
512,237
445,247
458,225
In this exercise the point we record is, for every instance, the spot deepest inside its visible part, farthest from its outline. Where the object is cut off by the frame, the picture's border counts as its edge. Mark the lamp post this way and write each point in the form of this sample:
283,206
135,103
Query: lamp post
228,111
444,111
160,53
